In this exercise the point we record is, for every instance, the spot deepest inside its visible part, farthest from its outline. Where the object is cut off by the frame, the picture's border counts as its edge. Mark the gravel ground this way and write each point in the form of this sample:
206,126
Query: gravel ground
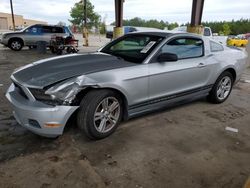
185,146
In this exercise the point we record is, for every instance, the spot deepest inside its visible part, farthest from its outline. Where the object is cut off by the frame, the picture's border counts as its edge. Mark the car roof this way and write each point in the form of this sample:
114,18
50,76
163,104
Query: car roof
165,33
145,28
153,33
48,25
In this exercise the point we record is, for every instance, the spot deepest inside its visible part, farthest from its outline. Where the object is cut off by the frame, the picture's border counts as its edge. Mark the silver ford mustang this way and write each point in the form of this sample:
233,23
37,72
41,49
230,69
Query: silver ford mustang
134,74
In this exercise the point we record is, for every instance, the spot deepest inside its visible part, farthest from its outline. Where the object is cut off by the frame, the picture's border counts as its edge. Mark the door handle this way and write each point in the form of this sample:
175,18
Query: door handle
200,65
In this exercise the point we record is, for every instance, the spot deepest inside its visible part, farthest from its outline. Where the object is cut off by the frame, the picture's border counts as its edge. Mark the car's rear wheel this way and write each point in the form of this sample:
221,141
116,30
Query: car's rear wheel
222,88
100,113
16,44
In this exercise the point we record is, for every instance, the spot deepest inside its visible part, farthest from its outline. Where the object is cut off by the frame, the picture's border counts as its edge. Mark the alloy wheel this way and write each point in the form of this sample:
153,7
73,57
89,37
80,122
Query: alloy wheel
16,45
107,114
224,88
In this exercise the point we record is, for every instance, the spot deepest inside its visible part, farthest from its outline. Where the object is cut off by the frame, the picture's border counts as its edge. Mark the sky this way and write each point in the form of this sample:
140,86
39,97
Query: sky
178,11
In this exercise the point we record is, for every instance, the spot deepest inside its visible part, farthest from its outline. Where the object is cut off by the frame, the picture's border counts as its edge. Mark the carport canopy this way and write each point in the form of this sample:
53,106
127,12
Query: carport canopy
196,17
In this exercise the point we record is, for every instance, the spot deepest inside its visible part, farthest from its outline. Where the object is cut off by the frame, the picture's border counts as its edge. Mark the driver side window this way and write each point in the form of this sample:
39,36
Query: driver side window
184,48
33,30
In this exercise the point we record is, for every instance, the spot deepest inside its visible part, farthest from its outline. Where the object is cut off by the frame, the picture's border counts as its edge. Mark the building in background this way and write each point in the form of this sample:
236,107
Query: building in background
20,22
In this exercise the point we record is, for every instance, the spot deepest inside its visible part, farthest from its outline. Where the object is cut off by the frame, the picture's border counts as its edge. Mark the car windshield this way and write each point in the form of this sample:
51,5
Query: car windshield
22,30
134,48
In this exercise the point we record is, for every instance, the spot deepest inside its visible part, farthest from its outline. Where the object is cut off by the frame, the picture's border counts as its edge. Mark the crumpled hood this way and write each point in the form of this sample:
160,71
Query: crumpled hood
49,71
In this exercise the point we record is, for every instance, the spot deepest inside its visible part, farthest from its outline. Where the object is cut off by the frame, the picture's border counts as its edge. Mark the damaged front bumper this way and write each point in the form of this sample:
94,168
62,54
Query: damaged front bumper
40,118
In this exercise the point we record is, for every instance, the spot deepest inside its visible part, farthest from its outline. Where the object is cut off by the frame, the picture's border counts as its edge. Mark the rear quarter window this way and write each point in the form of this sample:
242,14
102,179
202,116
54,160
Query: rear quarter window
215,47
46,29
57,30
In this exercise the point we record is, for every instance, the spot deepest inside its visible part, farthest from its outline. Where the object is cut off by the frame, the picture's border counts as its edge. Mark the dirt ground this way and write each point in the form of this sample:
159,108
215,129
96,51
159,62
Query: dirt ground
184,146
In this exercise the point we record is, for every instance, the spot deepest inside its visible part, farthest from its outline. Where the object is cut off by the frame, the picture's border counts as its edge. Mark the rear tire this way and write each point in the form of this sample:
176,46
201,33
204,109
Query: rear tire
100,113
16,44
222,88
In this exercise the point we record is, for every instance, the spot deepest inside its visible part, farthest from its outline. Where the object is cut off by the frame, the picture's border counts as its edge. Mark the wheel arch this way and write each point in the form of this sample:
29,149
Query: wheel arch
83,93
15,38
213,95
232,71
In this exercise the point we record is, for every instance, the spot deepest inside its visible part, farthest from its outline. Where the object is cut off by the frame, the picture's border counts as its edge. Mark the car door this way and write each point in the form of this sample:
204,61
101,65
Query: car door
188,74
32,35
47,33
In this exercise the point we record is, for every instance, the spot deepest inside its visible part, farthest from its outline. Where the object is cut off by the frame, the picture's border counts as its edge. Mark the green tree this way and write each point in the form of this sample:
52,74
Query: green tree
77,15
236,26
221,33
139,22
233,27
226,29
172,26
103,28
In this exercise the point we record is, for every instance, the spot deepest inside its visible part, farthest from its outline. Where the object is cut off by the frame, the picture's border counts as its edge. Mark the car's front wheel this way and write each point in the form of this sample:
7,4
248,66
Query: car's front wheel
100,113
16,44
222,88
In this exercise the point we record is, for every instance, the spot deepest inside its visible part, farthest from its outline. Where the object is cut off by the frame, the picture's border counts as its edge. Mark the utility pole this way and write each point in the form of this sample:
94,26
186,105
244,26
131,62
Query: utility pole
85,29
13,18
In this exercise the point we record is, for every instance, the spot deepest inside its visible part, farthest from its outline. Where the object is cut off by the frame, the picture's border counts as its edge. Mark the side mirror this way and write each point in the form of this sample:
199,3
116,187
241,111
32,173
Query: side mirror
164,57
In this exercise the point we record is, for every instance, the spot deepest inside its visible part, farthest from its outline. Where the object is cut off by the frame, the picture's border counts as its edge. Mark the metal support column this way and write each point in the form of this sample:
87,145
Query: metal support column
196,17
118,30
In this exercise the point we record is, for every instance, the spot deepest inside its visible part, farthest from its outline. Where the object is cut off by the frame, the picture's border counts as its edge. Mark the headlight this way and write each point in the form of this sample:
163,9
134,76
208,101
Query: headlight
40,95
67,90
63,92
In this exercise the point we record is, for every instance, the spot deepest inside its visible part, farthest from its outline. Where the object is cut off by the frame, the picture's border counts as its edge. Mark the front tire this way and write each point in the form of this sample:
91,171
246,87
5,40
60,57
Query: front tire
16,44
100,113
222,88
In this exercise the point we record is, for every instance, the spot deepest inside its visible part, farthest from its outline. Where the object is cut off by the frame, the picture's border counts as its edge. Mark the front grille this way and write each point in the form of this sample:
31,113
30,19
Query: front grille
20,90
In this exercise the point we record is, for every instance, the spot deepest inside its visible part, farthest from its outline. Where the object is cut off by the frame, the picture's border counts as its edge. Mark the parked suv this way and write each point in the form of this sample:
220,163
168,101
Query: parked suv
32,34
